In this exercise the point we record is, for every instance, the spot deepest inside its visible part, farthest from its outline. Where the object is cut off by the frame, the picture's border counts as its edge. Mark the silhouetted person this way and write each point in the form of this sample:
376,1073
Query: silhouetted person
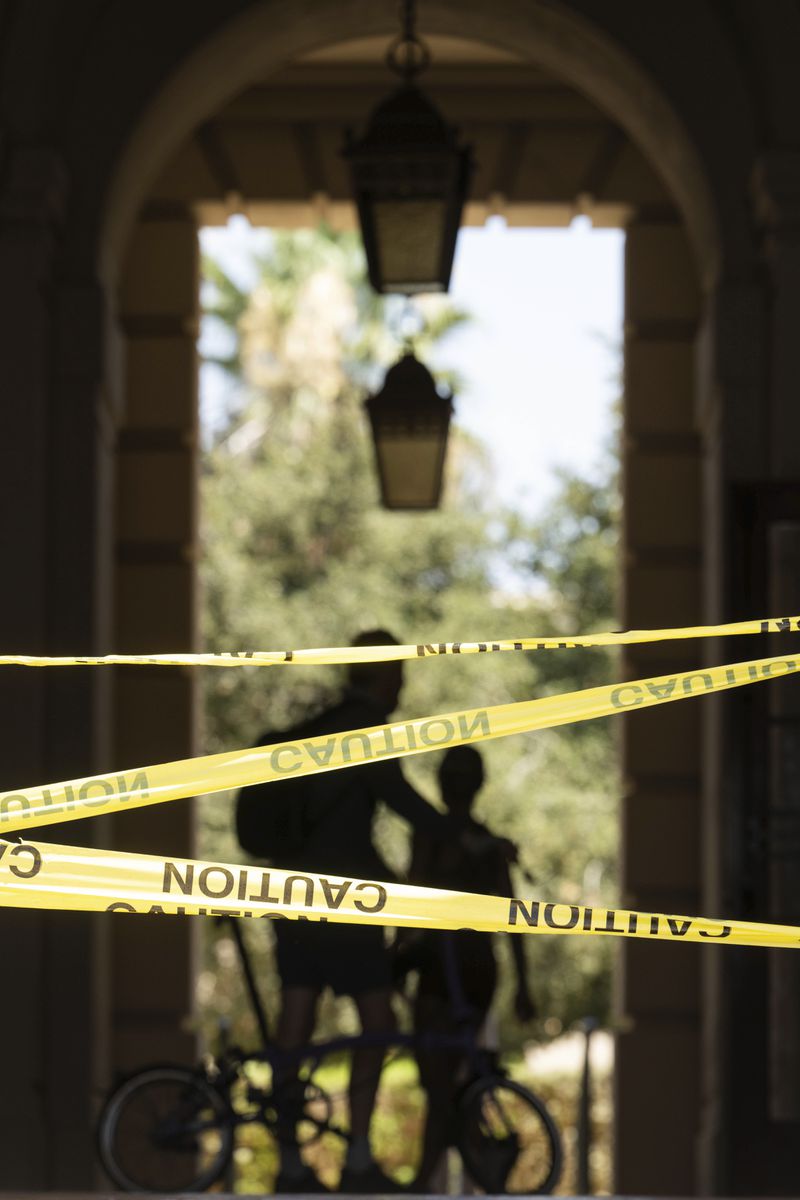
457,971
353,960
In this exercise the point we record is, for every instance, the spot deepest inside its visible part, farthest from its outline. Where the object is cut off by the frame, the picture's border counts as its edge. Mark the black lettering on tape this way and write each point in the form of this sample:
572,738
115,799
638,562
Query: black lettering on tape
88,793
128,787
571,921
430,738
264,896
474,725
214,891
783,667
380,899
616,696
172,874
23,870
389,746
13,805
288,889
689,688
530,915
281,768
321,754
334,893
358,738
610,923
662,691
27,870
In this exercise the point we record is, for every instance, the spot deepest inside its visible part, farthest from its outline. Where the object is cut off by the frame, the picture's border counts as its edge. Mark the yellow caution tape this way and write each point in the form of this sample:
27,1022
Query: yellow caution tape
338,655
40,875
124,790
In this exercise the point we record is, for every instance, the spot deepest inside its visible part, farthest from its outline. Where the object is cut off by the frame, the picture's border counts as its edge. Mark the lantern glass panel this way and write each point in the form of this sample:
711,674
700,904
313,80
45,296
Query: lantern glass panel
409,239
410,468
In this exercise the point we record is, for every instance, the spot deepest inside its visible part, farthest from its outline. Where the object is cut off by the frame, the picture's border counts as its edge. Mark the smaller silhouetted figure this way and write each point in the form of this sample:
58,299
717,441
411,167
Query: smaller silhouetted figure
457,971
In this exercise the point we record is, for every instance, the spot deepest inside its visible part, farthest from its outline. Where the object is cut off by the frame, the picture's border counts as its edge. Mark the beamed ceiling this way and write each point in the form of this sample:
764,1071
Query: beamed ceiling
544,153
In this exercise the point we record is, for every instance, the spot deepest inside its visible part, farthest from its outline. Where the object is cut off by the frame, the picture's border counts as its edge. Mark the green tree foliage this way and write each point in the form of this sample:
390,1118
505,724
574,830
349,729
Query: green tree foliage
297,552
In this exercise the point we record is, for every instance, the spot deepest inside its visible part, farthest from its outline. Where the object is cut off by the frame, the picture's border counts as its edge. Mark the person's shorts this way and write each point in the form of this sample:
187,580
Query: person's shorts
462,962
350,959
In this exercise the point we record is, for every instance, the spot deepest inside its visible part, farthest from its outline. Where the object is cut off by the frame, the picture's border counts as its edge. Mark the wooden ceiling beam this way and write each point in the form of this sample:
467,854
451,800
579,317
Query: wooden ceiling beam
599,169
210,138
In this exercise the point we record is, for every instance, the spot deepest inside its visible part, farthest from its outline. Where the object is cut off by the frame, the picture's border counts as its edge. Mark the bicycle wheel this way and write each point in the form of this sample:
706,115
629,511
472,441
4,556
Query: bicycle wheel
165,1130
507,1138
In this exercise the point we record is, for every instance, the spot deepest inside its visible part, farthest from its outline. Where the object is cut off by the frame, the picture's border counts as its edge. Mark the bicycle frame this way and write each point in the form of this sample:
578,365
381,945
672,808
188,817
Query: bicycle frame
464,1041
169,1109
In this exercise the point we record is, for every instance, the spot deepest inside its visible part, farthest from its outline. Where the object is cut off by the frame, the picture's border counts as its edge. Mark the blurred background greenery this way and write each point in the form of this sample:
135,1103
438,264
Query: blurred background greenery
297,552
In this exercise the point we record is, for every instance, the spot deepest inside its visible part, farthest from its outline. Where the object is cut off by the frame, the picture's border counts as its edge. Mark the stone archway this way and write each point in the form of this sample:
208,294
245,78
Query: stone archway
672,253
95,99
567,44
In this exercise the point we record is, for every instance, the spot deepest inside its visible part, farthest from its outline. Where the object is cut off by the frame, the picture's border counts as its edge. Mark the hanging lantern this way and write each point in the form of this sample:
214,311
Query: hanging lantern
410,420
410,180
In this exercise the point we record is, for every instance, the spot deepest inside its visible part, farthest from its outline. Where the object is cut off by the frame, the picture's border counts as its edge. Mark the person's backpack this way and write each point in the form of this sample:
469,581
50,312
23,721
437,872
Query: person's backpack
268,821
275,819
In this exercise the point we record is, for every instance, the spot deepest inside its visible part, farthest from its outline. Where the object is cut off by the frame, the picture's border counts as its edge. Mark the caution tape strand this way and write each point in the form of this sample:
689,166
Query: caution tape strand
134,788
343,655
45,876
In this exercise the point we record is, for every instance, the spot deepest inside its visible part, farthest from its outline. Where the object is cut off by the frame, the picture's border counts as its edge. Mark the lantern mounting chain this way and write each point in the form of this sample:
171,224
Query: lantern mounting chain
410,324
408,55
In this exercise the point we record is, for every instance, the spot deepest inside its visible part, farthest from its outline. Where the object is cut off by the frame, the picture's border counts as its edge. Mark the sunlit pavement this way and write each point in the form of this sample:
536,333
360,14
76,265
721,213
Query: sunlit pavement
564,1055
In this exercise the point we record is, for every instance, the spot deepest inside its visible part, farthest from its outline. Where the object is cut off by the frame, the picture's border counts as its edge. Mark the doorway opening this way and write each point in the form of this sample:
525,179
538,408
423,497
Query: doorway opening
297,551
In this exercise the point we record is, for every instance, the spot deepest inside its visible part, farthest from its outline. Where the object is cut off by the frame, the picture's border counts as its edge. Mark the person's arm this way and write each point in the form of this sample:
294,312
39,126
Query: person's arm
395,790
524,1003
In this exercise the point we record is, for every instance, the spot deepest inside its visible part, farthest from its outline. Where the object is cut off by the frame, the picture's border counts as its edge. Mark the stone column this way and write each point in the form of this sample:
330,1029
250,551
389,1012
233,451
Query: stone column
657,1086
777,195
54,444
752,1034
156,540
730,412
776,189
